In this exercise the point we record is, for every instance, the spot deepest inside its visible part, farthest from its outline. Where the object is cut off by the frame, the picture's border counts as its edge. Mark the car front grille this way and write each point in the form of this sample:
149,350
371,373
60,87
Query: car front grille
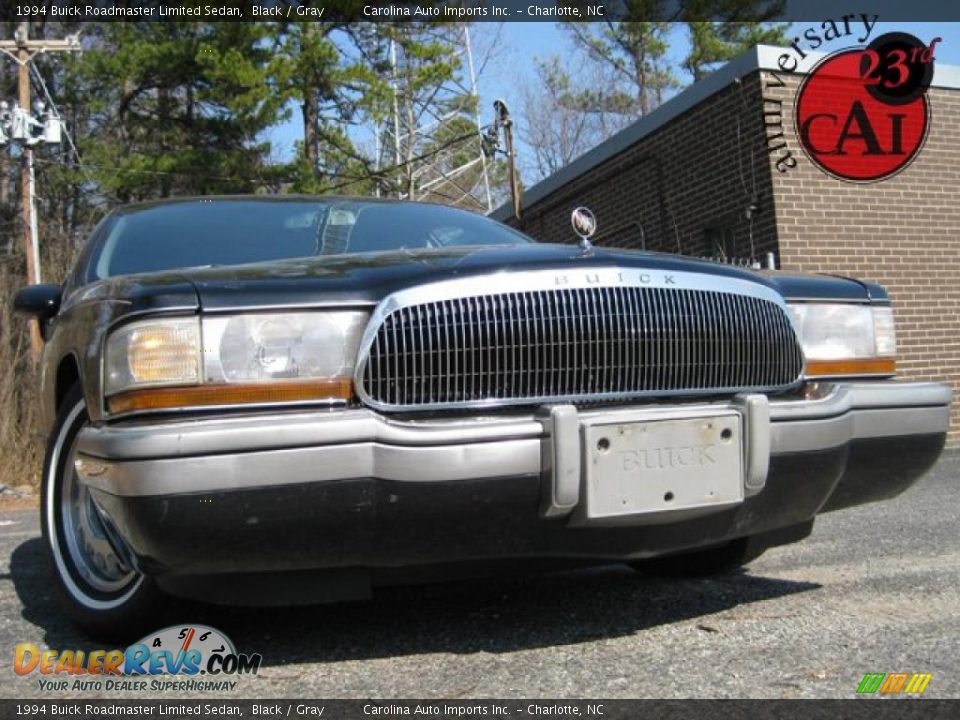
585,343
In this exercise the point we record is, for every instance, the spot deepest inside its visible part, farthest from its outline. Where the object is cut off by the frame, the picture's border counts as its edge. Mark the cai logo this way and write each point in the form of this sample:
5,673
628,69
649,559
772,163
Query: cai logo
863,114
894,683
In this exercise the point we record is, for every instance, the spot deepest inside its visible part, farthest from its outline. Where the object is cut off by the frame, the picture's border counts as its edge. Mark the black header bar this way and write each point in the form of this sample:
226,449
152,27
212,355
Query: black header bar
465,10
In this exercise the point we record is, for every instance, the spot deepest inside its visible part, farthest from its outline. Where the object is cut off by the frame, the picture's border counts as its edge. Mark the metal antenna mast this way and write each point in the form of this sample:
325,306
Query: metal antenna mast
421,137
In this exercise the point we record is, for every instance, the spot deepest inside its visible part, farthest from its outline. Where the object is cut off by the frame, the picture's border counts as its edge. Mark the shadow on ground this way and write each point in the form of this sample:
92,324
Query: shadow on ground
495,616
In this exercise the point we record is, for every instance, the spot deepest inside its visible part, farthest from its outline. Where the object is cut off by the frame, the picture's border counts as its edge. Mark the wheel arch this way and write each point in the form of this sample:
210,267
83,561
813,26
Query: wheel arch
68,374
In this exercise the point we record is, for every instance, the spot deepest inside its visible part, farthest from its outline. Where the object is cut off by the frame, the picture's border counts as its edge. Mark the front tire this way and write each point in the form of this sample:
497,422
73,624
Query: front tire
97,582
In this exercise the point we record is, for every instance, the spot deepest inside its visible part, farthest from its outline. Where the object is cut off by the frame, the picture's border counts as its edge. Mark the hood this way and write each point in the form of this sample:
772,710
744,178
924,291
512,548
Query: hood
365,279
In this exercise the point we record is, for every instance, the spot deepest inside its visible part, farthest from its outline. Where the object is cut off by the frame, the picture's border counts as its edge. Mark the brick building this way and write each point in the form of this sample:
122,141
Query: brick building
699,176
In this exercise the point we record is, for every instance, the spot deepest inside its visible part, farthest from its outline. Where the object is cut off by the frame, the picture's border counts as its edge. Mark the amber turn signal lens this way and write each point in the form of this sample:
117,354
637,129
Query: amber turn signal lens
217,395
865,366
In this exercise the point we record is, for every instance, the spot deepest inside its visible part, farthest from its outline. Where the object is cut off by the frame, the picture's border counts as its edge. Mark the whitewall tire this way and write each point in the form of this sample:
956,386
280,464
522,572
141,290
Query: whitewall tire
102,590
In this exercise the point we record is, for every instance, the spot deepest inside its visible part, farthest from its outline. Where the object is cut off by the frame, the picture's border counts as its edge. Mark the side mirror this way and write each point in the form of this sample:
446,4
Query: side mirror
40,301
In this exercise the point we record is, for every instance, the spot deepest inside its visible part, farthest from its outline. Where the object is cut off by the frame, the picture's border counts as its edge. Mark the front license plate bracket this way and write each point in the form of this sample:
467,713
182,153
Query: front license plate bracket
660,470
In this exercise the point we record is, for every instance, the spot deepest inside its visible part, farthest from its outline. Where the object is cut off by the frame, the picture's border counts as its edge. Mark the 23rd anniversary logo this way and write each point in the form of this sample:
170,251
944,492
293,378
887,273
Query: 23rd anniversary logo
862,114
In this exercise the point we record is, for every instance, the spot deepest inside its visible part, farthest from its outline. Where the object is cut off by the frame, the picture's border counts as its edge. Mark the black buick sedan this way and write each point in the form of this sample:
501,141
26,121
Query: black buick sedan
296,399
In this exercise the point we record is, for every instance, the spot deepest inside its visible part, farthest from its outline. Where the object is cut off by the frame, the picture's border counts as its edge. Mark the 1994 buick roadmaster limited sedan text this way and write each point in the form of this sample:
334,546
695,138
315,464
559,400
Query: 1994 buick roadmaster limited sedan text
297,399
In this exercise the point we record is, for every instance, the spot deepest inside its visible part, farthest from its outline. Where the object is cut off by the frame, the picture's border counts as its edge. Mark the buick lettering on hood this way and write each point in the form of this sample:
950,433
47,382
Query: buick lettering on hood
298,399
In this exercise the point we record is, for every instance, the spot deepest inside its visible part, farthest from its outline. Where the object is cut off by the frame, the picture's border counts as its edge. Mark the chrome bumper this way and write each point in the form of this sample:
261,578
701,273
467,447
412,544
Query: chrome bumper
157,458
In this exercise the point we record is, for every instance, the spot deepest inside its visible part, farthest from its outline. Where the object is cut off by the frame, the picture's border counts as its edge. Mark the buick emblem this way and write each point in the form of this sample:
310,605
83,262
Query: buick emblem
584,224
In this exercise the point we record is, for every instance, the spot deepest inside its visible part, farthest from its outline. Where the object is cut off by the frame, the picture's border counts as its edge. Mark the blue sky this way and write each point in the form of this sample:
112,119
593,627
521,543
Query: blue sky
516,44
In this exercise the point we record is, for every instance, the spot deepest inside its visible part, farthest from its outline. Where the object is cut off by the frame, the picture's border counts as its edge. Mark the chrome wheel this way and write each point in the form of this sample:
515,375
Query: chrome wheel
85,531
83,546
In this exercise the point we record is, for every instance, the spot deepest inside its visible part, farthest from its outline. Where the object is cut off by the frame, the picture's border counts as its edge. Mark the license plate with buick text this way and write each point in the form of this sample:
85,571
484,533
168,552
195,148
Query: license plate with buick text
662,468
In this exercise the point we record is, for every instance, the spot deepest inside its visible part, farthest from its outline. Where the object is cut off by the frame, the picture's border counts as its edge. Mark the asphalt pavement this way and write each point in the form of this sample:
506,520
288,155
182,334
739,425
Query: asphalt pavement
874,589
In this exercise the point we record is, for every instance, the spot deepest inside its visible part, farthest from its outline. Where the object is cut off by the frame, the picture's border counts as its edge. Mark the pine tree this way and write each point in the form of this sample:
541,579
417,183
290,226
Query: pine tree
634,52
712,43
317,67
178,108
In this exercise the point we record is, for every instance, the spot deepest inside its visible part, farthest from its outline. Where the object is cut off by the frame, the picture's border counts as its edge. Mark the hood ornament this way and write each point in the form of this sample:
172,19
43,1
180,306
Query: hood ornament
585,225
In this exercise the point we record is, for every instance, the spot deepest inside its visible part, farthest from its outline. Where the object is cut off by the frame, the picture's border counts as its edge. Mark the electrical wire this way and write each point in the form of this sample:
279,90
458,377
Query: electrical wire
98,210
348,180
753,171
127,171
399,166
63,126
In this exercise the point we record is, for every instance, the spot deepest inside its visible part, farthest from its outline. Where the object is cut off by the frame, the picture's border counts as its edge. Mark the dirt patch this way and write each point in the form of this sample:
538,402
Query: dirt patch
10,501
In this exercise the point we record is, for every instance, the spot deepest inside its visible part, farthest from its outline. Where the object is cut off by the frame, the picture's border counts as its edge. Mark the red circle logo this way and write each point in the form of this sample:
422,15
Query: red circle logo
853,119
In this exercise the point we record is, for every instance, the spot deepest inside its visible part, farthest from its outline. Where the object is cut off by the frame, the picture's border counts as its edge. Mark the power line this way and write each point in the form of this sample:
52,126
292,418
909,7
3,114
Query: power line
130,171
84,167
21,50
348,179
423,109
418,158
63,126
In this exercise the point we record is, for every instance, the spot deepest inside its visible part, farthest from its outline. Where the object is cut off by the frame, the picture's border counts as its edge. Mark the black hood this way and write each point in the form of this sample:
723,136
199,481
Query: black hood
363,280
366,279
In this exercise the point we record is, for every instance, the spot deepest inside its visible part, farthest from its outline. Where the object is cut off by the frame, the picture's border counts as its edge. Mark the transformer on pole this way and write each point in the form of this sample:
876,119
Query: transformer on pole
24,130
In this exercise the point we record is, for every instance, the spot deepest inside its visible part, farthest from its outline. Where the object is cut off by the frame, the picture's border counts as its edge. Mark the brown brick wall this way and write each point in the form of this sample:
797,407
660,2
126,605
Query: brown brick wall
903,232
676,183
685,177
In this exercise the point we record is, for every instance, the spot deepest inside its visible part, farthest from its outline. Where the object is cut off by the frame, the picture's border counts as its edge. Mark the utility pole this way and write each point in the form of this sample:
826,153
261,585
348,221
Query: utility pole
503,120
21,49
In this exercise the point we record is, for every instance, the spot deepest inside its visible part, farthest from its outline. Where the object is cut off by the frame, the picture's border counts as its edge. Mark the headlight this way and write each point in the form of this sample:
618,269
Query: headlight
153,353
842,339
275,346
231,359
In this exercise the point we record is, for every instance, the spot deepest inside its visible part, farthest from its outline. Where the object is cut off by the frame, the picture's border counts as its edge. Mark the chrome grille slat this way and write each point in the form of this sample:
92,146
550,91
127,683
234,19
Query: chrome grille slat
643,367
637,340
621,338
510,347
590,350
569,343
499,345
700,326
485,342
455,355
449,357
653,339
720,333
577,342
476,361
610,343
553,345
659,346
397,357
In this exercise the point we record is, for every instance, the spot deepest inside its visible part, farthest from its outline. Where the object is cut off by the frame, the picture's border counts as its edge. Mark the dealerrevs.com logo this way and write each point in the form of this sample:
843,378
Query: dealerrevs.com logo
862,114
170,660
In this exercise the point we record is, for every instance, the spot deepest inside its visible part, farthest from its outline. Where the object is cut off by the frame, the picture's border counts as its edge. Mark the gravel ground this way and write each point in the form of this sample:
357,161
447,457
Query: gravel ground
874,589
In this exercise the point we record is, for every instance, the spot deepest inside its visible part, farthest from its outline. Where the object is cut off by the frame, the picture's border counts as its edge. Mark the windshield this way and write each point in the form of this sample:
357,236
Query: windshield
235,232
